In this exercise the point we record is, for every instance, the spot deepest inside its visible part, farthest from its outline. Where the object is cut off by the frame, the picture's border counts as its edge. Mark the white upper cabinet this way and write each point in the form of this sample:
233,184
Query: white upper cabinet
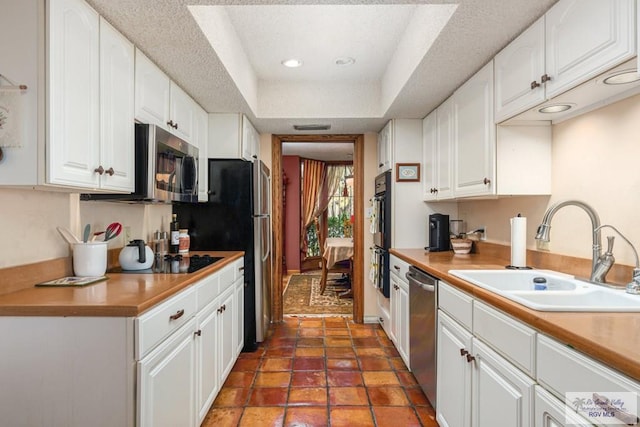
201,137
518,68
116,110
475,136
384,148
182,113
437,134
153,89
585,38
232,136
574,41
73,150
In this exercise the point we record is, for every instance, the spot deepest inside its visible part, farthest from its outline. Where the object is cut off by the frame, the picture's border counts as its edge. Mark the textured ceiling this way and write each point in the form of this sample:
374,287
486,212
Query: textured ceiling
168,33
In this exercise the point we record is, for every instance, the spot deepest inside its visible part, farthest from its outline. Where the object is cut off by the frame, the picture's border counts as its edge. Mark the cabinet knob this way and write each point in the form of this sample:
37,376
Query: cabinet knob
176,316
175,126
99,170
545,78
396,267
396,287
463,352
534,84
197,333
486,181
470,358
380,165
110,171
219,310
170,123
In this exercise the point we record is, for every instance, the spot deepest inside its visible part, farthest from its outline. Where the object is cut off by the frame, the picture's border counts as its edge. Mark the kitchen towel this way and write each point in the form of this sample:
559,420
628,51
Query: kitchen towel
519,241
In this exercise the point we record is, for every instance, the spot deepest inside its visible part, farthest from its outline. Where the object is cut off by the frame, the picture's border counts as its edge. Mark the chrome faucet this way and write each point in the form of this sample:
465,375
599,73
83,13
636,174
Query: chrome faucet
597,275
633,287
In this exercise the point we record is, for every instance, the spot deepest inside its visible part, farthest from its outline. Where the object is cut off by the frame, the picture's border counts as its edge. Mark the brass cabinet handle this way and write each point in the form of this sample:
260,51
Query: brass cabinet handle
99,170
110,171
534,84
176,316
197,333
545,78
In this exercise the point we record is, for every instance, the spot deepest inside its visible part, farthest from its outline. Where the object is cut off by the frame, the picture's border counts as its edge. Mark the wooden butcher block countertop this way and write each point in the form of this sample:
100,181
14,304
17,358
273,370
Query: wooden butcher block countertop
612,338
122,294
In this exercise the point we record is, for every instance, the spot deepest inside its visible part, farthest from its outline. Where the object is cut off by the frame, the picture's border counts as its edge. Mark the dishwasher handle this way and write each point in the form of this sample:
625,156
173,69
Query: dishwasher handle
425,286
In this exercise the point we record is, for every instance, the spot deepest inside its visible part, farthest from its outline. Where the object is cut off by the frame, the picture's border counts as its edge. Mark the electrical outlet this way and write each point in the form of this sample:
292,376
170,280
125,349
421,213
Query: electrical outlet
126,234
483,236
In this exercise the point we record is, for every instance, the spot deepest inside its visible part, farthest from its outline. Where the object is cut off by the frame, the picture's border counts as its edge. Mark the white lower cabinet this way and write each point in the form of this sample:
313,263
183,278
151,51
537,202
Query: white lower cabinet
399,307
167,382
227,350
208,382
238,331
502,396
505,374
550,412
454,374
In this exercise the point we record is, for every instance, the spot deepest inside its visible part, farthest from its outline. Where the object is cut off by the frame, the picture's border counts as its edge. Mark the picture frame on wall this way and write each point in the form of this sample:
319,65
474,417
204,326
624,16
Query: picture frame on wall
407,172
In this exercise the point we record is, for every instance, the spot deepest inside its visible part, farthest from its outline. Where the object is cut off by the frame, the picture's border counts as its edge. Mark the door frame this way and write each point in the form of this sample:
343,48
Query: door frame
357,282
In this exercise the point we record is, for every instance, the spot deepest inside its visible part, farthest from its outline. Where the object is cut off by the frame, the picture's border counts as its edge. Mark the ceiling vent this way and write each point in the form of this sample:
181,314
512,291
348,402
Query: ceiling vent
311,127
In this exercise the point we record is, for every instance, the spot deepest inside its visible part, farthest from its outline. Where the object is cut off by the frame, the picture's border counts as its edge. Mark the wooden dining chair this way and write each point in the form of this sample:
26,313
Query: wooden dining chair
342,266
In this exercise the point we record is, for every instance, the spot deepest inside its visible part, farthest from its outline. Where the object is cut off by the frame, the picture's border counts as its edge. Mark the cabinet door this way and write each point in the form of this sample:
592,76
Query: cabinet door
394,308
181,113
238,326
550,412
453,374
152,92
249,140
518,68
166,382
475,135
226,320
430,156
73,99
402,327
207,343
201,135
384,148
445,147
116,110
586,38
502,395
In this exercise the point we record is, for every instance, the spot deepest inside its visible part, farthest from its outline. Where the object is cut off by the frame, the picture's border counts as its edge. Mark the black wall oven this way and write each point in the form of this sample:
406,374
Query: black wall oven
381,229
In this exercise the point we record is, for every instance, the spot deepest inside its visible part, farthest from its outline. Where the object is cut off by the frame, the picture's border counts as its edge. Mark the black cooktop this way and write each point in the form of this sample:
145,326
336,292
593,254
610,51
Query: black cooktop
174,264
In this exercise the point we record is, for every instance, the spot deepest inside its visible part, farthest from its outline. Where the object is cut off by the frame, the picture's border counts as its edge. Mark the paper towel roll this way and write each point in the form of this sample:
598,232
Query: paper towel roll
519,241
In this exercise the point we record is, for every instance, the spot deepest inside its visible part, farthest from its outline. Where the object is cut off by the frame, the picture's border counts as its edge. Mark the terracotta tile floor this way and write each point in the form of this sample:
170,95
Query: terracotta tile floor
321,372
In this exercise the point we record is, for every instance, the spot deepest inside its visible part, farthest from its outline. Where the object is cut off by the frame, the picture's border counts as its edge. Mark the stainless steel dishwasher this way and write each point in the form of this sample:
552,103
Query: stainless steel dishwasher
423,292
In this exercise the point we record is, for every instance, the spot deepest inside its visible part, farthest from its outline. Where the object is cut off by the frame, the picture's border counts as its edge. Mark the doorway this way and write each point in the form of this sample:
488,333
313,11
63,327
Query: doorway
358,214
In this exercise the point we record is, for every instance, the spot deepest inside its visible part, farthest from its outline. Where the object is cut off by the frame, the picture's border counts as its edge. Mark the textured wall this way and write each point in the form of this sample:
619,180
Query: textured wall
291,167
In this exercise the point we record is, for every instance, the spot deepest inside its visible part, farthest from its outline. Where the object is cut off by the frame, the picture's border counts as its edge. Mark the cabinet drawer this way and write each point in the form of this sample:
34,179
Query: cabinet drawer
562,369
506,335
230,273
456,303
159,322
208,289
549,411
398,267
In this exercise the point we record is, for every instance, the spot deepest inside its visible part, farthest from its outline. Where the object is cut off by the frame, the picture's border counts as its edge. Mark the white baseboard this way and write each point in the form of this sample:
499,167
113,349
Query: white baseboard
371,319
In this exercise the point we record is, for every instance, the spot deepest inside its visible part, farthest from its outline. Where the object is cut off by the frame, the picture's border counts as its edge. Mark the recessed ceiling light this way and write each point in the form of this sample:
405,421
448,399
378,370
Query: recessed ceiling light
292,63
558,108
622,77
345,60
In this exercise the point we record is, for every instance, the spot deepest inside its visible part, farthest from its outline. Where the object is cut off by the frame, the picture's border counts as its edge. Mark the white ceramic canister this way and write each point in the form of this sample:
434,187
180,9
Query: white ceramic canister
90,259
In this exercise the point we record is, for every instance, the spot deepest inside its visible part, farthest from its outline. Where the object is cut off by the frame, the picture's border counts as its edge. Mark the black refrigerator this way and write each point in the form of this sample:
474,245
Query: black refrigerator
236,217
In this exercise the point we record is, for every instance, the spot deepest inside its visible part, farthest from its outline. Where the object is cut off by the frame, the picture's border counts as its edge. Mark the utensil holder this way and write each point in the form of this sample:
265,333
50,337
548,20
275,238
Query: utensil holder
90,259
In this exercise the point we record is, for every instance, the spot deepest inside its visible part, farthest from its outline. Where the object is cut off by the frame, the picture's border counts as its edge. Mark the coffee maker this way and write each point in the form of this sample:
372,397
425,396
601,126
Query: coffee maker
439,239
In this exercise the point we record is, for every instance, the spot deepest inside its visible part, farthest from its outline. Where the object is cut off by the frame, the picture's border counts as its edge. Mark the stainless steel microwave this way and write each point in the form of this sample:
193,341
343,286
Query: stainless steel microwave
166,169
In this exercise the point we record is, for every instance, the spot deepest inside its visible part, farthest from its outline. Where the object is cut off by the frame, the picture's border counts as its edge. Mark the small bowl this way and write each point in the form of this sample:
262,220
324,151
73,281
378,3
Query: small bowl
461,246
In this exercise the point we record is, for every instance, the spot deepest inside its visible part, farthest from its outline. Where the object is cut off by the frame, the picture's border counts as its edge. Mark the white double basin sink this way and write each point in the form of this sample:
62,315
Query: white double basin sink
563,292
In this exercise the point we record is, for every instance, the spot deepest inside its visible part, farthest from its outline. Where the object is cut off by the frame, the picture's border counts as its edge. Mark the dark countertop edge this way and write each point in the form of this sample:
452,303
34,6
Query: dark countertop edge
625,364
104,310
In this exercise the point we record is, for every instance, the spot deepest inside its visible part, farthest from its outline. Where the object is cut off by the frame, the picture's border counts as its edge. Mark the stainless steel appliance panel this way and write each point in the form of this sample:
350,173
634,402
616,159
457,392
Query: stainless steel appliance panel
262,224
423,292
